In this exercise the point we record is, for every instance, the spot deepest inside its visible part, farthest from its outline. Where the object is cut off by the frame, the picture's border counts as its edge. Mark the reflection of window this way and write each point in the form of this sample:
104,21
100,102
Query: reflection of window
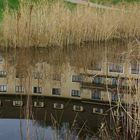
114,81
37,89
118,113
76,78
115,96
37,75
18,103
38,104
58,106
19,75
135,68
56,77
96,94
98,110
78,108
3,88
1,59
19,89
98,80
2,73
75,93
56,91
116,68
95,66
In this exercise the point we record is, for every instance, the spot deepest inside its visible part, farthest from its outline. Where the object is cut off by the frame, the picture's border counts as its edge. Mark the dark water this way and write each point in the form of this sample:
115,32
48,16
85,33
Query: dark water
47,123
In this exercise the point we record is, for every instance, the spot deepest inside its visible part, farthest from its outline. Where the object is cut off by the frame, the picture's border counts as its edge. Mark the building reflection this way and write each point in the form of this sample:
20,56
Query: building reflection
61,85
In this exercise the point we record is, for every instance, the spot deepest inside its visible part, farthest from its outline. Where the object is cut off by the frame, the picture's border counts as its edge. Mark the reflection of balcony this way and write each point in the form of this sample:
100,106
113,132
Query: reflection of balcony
93,86
110,88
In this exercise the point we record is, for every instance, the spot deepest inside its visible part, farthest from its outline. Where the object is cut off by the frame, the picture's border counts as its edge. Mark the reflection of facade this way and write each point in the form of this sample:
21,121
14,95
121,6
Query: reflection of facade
49,109
105,82
120,82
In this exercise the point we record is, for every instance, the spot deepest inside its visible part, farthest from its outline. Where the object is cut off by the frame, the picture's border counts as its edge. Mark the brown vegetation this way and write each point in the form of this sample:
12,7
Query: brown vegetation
56,25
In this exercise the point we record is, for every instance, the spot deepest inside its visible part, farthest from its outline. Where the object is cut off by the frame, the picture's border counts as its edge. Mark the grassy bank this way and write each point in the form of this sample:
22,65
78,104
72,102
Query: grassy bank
43,24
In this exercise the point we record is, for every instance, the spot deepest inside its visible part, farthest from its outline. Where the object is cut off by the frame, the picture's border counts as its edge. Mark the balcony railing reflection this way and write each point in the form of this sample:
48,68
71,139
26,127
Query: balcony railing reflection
112,84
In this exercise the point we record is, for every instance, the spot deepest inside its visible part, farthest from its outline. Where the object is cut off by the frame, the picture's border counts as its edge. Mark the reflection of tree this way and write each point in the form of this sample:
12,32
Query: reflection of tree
82,56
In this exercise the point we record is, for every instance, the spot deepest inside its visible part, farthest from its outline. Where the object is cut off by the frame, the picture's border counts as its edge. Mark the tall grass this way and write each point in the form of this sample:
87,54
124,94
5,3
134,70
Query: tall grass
122,127
124,122
44,25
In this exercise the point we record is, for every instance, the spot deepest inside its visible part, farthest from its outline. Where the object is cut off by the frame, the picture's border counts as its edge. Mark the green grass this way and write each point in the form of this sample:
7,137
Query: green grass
70,5
13,4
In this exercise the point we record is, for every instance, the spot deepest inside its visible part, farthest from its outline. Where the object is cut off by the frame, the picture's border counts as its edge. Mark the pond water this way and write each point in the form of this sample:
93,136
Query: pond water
42,96
47,120
16,129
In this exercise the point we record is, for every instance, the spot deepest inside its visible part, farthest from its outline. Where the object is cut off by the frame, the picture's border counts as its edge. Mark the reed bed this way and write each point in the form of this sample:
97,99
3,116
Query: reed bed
56,25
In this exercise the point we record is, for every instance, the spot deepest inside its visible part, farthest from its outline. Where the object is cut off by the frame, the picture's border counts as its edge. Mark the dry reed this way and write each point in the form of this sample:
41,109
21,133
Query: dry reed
44,25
